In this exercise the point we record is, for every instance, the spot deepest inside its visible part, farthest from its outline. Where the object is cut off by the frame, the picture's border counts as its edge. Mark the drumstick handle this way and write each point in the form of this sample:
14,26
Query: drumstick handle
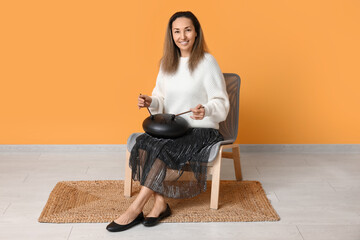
183,113
186,112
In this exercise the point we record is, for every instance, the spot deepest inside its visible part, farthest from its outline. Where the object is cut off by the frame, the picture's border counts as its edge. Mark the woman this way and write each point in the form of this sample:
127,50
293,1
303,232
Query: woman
189,78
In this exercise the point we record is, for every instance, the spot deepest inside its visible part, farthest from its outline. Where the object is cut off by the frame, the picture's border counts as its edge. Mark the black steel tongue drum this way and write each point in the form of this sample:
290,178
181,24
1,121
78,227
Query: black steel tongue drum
164,125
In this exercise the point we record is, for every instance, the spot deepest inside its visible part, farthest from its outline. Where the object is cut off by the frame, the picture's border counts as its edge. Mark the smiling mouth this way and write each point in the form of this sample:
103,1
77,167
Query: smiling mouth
184,43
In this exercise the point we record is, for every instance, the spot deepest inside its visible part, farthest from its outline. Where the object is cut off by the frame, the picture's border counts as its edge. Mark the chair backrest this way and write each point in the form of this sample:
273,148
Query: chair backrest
229,127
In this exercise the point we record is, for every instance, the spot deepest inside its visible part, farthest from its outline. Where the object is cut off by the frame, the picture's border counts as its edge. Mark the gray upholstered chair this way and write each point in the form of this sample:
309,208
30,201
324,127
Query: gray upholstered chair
228,129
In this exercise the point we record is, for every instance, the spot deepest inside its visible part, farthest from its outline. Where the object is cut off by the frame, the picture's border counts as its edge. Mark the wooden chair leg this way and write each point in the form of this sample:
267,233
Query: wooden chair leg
237,165
215,182
128,179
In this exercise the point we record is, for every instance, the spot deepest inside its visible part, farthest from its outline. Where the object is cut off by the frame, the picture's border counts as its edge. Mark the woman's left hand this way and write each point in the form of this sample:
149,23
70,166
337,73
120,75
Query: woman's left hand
198,112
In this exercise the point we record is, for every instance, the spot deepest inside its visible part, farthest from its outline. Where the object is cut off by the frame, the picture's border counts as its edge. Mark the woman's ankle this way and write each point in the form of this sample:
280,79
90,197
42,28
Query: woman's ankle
159,199
134,209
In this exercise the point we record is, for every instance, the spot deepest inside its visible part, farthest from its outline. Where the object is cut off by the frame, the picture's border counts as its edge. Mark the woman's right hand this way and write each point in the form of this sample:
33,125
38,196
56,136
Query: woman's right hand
144,101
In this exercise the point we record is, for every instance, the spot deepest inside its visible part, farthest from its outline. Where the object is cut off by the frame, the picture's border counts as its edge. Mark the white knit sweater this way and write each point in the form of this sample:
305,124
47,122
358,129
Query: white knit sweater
182,90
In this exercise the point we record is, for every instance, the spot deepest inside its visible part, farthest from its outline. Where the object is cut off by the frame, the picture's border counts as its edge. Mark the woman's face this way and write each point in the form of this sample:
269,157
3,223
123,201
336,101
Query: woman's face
184,35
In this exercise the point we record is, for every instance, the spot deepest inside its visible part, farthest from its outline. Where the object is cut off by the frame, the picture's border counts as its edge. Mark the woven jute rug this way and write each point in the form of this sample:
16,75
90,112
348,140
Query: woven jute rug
104,201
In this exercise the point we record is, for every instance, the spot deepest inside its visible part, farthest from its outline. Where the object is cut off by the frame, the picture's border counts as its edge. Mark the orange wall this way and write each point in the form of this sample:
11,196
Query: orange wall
71,71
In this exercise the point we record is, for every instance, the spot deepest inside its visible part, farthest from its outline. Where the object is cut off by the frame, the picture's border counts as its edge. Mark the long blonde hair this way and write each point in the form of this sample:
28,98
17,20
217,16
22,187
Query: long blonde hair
170,60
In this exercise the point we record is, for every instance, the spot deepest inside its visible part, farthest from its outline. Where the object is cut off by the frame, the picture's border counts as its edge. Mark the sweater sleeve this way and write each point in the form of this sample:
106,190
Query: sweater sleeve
218,104
157,96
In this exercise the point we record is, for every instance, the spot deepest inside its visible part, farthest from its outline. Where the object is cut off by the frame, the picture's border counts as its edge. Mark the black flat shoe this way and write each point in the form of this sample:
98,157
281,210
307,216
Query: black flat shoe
114,227
152,221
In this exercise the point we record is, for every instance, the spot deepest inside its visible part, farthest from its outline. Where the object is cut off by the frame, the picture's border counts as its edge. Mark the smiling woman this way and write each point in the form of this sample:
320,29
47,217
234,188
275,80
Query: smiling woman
189,78
184,35
185,31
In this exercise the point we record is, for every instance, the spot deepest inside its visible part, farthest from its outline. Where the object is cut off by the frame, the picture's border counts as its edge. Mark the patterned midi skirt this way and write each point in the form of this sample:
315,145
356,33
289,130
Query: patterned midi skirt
174,168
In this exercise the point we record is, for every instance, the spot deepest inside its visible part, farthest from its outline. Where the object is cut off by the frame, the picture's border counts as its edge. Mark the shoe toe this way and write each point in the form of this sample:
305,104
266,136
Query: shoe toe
114,227
152,221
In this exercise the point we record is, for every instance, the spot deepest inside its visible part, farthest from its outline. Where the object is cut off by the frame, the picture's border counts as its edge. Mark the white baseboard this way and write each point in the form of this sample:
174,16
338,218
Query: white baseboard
64,148
350,148
300,148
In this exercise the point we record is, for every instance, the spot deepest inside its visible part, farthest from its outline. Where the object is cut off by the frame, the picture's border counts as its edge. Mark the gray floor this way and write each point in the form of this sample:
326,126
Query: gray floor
317,196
